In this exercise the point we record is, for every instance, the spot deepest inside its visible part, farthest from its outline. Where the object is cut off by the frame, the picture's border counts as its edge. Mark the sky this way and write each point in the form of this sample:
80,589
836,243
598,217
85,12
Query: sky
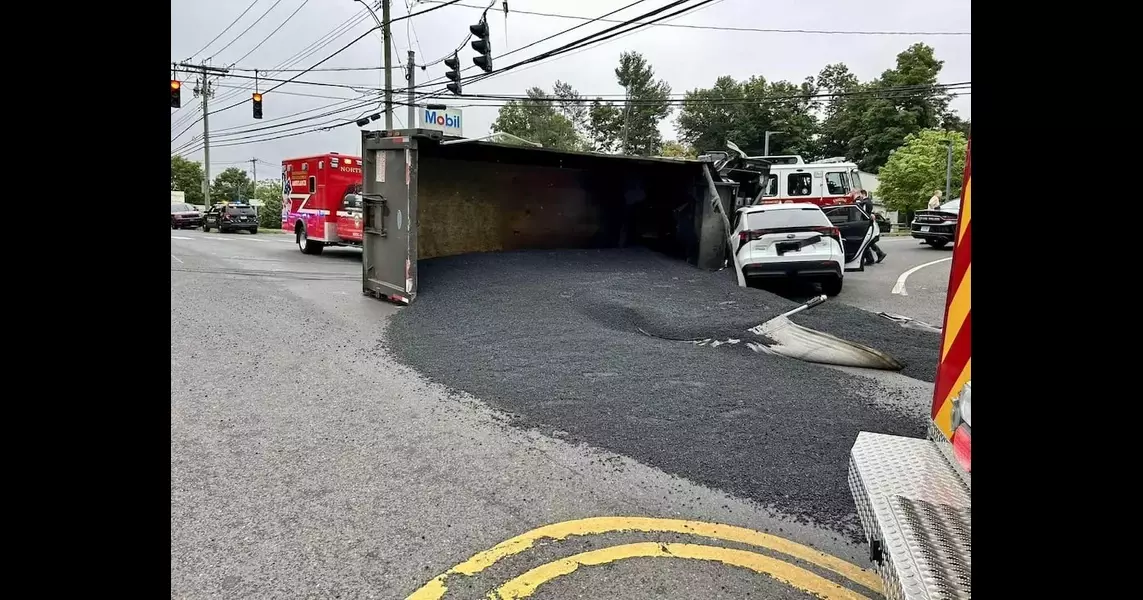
271,35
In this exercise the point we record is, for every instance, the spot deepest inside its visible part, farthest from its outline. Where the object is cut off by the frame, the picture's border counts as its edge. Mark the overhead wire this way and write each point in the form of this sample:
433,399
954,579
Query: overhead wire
886,93
743,29
276,30
245,31
232,24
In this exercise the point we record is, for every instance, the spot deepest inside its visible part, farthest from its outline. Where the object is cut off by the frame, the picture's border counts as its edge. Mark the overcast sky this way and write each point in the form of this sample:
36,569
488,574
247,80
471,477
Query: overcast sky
685,58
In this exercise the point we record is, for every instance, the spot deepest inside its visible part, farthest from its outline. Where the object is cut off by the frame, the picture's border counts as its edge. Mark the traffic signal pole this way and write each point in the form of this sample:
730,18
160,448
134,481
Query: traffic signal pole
205,89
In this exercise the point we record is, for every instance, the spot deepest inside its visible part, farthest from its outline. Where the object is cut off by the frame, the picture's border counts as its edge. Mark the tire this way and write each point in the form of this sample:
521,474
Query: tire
832,287
938,244
305,244
253,231
205,227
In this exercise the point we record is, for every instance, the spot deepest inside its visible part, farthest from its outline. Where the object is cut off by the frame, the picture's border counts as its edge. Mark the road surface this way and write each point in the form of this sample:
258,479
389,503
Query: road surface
307,463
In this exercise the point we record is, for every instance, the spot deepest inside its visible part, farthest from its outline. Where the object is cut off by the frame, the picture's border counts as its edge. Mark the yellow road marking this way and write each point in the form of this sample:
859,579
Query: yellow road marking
435,589
525,585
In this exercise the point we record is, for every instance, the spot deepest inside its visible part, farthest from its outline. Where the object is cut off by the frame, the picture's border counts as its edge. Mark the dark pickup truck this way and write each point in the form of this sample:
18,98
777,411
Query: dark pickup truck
937,228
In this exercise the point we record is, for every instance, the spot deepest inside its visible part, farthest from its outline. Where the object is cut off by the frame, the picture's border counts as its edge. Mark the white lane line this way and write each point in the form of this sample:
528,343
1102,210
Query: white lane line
899,287
176,237
177,258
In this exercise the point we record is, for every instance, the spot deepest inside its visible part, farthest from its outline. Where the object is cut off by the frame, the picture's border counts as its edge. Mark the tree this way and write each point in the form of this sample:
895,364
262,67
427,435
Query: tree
604,125
186,175
269,192
537,119
742,112
872,119
673,149
231,184
647,103
917,169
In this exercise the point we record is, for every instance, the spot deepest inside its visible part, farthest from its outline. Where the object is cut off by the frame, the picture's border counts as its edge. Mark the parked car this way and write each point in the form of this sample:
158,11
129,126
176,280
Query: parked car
230,217
937,228
788,241
184,216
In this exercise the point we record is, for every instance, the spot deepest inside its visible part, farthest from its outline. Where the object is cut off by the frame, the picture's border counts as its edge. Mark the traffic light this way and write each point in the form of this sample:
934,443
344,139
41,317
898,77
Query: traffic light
176,94
482,45
257,105
454,74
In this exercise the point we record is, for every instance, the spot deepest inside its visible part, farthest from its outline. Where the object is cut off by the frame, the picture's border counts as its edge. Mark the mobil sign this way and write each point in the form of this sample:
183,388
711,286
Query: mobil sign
447,120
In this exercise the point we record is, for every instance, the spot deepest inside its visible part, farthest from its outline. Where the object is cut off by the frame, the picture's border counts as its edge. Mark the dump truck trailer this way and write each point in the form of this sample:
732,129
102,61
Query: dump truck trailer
427,195
913,496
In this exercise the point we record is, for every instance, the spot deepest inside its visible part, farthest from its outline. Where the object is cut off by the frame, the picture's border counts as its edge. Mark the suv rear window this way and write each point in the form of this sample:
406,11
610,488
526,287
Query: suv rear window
239,210
810,216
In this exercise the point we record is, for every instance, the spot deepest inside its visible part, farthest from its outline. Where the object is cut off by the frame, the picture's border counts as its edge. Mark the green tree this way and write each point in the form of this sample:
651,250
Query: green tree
269,192
604,125
673,149
231,184
647,103
537,119
742,112
917,169
186,175
874,118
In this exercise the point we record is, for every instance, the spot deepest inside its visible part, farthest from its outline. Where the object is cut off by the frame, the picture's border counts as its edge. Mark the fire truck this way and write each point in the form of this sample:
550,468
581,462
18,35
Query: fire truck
321,201
913,496
826,183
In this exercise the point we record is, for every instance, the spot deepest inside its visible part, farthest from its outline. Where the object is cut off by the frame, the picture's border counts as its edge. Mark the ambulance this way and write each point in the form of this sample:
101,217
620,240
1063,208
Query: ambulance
830,182
913,496
321,201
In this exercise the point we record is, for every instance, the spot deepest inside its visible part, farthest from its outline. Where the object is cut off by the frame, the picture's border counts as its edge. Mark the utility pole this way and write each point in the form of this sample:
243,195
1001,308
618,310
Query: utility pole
411,75
388,66
766,149
206,90
948,171
383,23
626,116
254,167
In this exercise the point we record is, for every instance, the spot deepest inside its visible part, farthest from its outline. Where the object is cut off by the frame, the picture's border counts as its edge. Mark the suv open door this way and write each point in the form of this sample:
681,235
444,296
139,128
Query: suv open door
389,256
857,229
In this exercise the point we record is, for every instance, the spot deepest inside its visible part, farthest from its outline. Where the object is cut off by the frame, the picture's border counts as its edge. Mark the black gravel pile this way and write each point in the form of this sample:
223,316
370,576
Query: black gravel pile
553,338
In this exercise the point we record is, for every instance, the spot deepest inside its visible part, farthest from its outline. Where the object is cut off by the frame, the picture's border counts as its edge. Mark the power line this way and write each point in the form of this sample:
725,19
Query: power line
245,31
276,30
748,29
885,93
235,21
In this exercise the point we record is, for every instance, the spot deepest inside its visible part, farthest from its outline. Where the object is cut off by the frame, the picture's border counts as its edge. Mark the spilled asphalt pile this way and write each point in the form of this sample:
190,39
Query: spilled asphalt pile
583,342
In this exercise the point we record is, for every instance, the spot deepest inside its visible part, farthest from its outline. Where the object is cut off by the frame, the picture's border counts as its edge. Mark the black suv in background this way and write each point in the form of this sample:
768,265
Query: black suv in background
230,217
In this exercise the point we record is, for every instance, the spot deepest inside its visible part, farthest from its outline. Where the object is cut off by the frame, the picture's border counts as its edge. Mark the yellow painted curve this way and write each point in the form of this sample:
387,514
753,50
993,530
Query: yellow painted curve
525,585
435,589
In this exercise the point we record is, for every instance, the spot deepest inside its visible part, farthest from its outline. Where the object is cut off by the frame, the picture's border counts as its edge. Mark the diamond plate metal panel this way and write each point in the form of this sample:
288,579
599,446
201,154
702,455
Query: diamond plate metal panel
914,505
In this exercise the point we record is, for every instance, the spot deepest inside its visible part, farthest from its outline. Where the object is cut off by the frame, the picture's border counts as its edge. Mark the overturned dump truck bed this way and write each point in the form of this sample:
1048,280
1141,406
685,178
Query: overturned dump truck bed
429,196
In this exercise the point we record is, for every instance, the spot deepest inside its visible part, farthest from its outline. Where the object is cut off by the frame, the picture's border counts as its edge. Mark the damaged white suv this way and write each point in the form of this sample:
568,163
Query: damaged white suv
783,241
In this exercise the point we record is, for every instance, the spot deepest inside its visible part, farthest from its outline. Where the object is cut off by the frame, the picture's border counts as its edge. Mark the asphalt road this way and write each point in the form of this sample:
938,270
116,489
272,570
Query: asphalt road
307,462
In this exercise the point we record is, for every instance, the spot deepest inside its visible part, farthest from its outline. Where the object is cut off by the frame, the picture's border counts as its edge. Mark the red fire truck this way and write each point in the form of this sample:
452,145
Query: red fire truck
914,495
321,201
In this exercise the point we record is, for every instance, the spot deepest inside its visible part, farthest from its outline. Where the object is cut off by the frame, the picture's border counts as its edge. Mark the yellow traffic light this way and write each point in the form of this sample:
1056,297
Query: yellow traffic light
257,97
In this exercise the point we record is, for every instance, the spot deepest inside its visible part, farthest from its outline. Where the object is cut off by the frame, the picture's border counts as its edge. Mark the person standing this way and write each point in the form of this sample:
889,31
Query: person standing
935,201
865,202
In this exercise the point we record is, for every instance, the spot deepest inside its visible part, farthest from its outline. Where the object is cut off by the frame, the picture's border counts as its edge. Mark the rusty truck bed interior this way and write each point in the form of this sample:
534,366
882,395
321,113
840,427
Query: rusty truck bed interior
484,197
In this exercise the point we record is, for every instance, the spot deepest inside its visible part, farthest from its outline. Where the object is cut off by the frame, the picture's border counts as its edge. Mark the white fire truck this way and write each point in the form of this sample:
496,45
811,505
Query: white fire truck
913,495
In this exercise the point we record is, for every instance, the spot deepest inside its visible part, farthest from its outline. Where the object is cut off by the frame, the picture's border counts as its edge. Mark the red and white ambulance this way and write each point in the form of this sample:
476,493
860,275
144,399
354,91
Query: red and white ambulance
825,183
321,200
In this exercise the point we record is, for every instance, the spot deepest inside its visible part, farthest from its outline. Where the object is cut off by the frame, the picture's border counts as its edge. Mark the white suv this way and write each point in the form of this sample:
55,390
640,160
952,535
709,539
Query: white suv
778,241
